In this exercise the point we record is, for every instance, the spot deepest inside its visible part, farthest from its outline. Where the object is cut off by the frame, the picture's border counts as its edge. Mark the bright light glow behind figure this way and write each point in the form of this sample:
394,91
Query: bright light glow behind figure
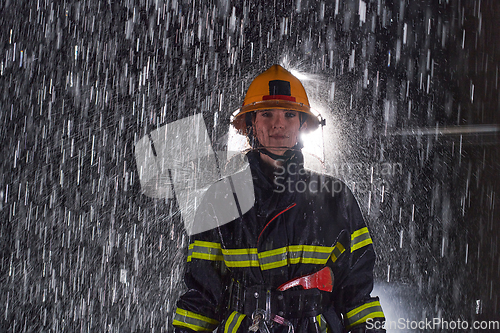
313,141
301,76
313,144
236,142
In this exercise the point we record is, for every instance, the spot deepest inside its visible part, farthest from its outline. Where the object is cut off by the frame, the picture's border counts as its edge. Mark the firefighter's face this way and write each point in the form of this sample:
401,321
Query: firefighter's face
277,130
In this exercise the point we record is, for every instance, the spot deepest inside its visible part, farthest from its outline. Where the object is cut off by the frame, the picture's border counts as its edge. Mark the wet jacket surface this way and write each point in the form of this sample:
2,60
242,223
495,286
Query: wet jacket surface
301,222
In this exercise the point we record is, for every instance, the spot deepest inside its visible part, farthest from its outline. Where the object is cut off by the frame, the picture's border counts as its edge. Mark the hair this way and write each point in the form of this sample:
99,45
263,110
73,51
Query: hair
251,138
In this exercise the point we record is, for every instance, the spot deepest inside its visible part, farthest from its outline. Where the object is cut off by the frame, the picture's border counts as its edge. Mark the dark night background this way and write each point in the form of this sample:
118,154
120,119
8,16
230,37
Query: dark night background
416,83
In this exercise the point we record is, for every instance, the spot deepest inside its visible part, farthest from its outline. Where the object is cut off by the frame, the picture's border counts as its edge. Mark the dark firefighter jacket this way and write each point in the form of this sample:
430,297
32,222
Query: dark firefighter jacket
299,223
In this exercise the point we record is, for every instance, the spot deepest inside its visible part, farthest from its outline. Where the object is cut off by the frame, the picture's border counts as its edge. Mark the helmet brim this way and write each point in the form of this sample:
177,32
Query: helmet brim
238,117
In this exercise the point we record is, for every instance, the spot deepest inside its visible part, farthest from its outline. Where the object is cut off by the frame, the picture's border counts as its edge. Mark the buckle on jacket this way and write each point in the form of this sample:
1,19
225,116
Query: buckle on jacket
259,323
286,304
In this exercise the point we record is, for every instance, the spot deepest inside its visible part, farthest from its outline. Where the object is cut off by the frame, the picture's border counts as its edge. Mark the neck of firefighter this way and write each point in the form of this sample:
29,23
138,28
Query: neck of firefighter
270,165
270,162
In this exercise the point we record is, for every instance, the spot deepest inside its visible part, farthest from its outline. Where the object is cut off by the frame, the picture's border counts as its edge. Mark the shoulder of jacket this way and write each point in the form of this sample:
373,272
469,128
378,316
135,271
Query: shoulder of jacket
314,175
224,201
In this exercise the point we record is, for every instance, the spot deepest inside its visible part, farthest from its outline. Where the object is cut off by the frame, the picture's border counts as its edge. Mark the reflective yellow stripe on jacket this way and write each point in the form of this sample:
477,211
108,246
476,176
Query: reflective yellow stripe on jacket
233,322
205,250
360,238
241,258
338,249
194,321
364,312
323,326
293,254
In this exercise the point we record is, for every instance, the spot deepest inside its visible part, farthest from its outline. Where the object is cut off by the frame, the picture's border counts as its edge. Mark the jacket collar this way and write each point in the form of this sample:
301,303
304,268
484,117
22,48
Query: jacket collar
270,197
293,164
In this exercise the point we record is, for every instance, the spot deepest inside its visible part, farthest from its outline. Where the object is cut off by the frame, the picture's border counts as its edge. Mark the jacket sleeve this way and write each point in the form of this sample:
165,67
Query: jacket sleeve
199,309
354,274
204,306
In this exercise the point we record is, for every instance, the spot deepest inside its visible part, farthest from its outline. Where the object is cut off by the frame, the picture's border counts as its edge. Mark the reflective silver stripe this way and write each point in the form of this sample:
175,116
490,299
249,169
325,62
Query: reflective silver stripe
362,313
205,250
233,322
194,321
309,255
293,254
360,238
241,257
273,261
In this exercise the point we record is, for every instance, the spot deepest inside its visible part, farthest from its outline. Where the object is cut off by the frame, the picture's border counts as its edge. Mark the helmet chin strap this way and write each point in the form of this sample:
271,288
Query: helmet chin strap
285,157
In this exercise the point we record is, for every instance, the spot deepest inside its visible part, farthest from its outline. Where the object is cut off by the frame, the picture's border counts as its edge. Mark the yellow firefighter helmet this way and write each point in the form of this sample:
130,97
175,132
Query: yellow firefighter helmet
276,88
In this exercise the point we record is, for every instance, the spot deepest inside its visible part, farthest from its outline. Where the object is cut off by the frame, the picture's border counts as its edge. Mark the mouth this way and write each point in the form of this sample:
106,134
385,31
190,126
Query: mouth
279,137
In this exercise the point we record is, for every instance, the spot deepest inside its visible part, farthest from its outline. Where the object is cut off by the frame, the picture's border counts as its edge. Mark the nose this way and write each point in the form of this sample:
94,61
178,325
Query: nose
279,120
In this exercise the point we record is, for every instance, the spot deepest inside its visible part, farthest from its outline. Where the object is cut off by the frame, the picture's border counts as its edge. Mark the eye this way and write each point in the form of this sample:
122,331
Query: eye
266,114
290,114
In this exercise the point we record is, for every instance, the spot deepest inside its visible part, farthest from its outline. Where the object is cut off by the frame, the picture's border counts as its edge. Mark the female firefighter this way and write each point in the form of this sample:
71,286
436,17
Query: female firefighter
301,259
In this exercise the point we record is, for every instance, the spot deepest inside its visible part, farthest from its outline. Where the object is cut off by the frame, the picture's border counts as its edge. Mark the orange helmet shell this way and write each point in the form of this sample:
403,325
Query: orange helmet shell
276,88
